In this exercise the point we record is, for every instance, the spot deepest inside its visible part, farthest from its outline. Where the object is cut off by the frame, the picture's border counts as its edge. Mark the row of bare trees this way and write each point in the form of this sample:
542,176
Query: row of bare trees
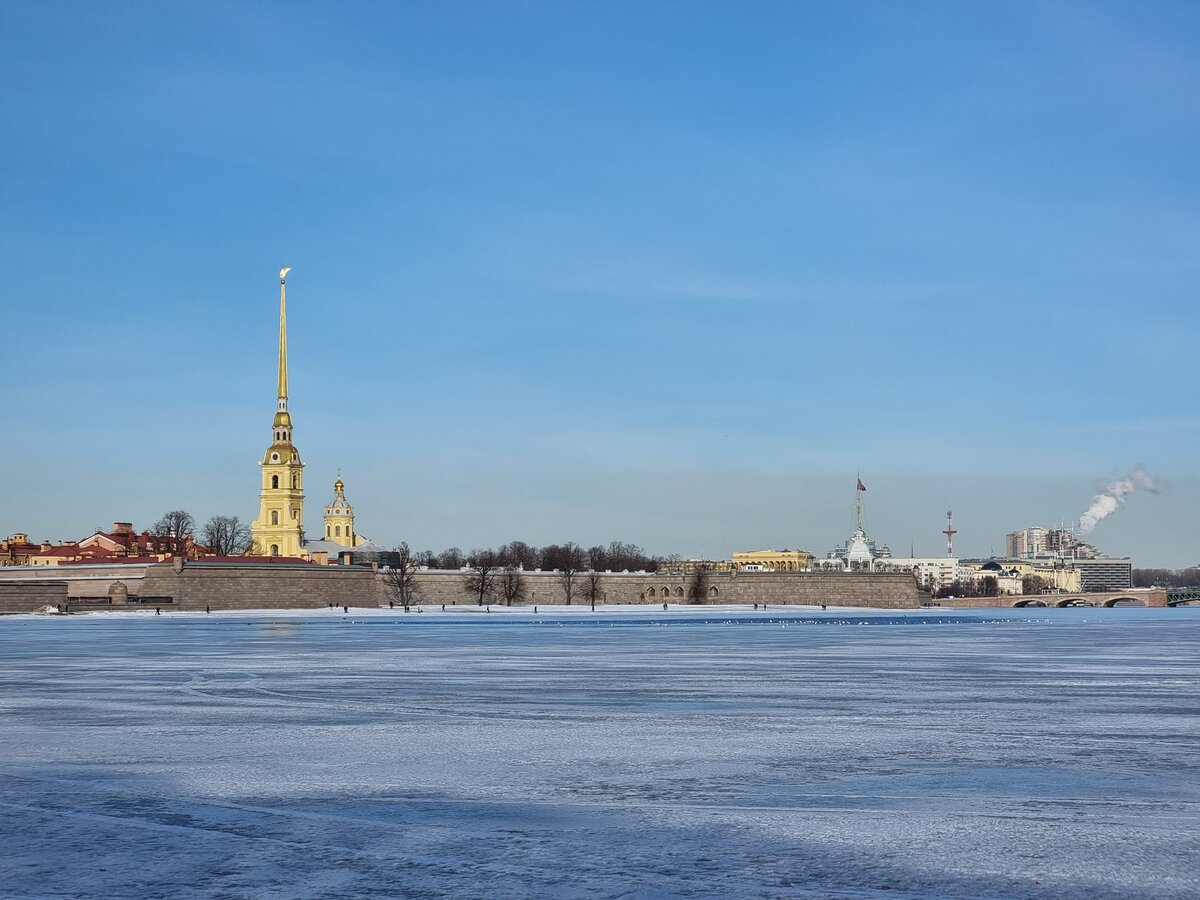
616,556
488,577
987,586
220,535
1167,577
499,575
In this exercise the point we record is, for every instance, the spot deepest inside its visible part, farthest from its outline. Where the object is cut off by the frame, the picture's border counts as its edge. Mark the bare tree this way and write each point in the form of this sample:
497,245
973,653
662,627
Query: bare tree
1166,577
592,591
451,558
400,578
176,530
984,587
519,553
597,558
480,581
512,584
628,556
698,589
569,560
226,536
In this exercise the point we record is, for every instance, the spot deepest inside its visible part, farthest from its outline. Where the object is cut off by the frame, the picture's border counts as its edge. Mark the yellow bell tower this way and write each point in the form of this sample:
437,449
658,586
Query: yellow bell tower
279,528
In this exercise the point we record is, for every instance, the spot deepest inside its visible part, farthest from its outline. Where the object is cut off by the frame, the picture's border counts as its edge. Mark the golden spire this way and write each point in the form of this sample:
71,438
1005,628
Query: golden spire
283,337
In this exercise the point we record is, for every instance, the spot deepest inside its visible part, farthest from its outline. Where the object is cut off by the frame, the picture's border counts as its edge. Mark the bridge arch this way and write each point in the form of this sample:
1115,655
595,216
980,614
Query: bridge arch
1124,601
1073,601
1021,603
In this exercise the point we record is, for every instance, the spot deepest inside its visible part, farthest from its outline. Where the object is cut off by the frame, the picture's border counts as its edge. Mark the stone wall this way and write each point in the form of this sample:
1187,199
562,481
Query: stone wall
32,595
197,586
814,588
223,586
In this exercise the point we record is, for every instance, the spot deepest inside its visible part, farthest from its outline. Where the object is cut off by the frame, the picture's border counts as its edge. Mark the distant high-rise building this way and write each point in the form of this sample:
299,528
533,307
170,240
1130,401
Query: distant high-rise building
1103,574
1026,543
1037,542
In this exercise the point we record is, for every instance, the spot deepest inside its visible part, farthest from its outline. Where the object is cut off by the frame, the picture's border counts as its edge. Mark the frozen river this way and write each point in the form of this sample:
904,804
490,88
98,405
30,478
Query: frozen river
716,753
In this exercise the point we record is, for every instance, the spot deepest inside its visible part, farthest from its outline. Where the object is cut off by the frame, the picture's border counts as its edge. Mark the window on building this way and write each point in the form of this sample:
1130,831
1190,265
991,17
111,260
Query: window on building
274,549
337,530
274,517
295,481
326,531
274,481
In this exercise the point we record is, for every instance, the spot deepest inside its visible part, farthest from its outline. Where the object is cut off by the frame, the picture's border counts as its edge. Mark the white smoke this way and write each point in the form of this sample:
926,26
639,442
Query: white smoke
1113,498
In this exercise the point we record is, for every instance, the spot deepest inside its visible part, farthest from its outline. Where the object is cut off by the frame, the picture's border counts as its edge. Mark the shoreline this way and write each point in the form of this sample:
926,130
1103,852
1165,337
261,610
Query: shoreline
627,612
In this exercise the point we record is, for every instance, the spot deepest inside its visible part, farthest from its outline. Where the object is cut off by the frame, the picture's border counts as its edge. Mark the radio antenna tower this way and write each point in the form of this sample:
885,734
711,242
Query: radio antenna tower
949,533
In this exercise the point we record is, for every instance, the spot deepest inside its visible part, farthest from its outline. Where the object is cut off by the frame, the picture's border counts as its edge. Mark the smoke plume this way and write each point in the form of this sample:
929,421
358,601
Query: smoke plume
1113,498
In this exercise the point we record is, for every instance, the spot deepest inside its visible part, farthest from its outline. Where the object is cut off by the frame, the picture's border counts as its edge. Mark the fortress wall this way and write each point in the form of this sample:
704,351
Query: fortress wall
82,581
31,595
894,591
446,586
836,589
197,586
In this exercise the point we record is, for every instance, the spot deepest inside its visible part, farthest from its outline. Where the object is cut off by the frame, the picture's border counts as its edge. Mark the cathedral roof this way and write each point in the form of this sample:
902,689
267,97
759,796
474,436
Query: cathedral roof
339,504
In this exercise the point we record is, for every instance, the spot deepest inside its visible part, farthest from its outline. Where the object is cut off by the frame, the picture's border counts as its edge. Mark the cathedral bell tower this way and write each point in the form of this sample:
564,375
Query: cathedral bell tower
339,518
279,528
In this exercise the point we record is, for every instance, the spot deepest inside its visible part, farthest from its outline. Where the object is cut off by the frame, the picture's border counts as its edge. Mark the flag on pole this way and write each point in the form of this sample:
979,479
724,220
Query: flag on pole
861,486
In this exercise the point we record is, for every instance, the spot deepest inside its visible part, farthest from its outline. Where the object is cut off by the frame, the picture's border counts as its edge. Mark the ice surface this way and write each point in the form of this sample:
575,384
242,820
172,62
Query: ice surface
627,753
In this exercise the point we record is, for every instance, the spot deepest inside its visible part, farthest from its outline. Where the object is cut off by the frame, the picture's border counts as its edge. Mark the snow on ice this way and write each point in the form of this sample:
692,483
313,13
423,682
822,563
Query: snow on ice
707,751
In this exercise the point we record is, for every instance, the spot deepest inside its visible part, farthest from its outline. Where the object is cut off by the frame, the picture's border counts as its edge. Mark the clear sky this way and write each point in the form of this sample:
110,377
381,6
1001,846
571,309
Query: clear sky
669,273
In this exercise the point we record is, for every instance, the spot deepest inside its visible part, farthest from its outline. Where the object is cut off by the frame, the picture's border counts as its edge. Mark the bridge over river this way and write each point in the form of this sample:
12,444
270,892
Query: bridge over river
1134,597
1183,596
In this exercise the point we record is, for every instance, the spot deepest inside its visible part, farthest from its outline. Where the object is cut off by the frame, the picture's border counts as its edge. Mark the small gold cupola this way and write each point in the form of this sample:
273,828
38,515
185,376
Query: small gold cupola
339,518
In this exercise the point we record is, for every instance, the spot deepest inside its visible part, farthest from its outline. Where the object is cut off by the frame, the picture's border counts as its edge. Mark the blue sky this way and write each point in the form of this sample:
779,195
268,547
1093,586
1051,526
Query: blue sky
668,273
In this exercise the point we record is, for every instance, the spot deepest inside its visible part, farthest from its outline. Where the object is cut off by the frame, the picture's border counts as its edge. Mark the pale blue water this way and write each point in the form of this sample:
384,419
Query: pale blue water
1048,753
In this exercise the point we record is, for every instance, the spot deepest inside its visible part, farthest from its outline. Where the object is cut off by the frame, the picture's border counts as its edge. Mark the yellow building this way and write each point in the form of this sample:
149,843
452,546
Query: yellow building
1057,575
279,528
772,560
339,519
